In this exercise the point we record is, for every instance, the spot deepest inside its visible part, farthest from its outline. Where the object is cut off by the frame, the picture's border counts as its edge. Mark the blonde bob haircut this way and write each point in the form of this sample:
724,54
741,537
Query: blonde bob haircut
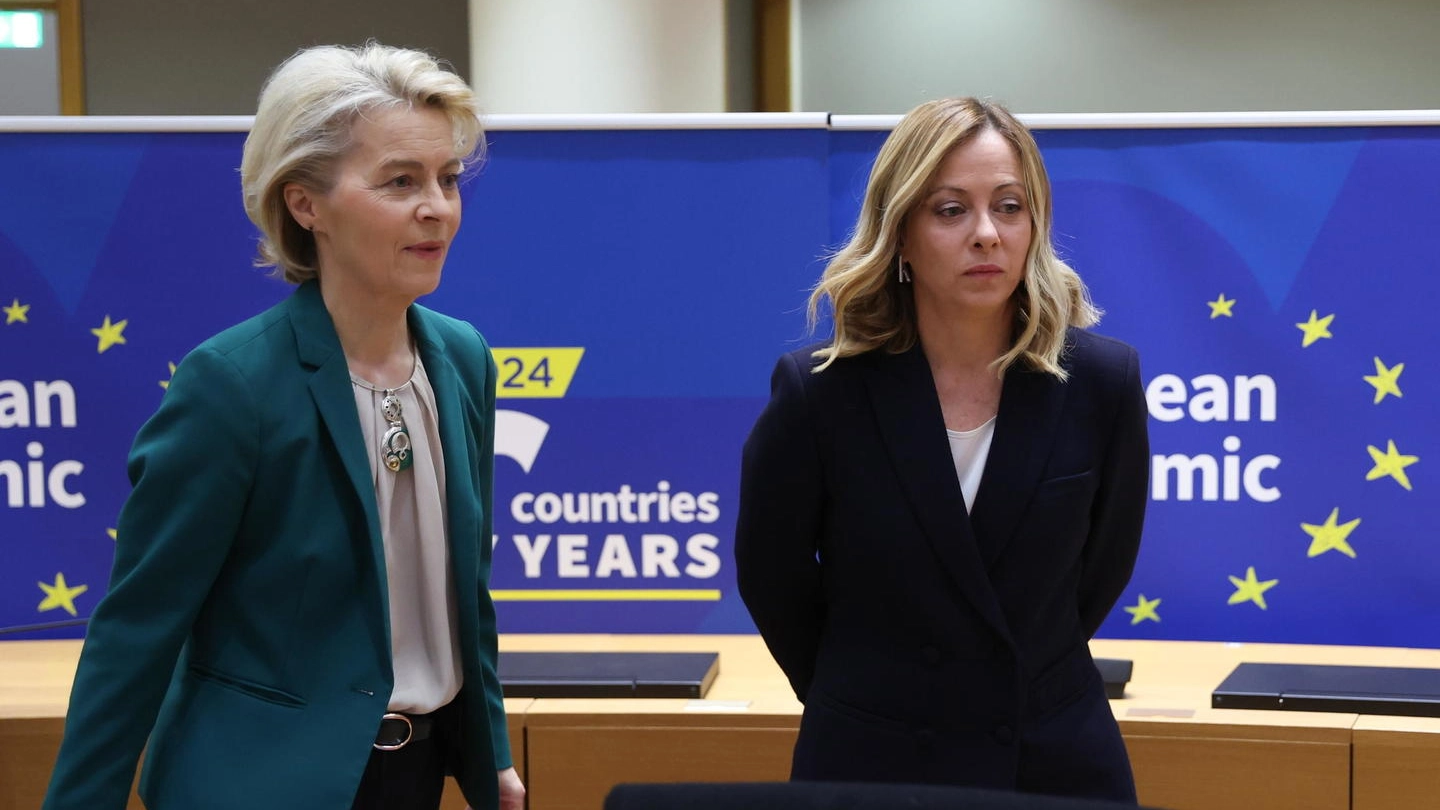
873,310
303,125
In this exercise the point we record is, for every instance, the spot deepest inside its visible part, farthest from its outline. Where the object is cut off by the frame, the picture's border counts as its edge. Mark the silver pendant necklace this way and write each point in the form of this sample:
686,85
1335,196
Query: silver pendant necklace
395,444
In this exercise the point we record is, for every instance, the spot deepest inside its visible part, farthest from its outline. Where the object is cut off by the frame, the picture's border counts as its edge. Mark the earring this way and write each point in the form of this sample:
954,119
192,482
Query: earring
901,273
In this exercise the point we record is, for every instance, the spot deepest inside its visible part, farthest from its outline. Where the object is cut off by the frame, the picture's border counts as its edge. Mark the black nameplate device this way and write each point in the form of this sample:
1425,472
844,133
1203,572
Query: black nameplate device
1116,674
1327,688
607,674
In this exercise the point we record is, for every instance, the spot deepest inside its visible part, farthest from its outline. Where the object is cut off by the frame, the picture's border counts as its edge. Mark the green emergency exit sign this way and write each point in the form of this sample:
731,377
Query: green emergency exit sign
21,29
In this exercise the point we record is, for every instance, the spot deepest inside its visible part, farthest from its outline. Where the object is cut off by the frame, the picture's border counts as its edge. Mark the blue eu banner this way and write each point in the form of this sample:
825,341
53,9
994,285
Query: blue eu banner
638,285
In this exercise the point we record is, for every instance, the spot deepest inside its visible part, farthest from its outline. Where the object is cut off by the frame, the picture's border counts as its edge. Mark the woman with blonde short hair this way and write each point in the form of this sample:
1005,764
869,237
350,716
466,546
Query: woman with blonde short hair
942,502
298,614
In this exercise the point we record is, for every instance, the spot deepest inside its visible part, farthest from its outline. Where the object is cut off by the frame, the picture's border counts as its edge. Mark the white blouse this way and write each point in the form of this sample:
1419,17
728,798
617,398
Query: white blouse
969,449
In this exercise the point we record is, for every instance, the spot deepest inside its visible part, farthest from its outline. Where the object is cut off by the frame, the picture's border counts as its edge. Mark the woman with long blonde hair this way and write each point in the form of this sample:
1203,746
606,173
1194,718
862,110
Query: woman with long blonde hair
942,502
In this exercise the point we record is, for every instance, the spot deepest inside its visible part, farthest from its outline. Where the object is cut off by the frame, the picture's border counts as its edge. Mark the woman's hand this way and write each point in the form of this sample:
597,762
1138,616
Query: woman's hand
512,790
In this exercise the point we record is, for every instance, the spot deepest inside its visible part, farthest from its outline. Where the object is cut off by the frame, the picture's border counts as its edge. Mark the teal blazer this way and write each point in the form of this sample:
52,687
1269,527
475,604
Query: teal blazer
246,634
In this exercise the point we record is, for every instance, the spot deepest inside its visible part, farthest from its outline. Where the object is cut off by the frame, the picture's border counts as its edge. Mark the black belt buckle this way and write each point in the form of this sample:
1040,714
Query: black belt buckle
396,732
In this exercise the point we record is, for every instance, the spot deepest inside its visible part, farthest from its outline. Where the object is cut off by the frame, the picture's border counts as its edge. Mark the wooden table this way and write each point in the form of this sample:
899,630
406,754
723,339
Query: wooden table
1271,759
743,731
35,679
1186,755
1396,763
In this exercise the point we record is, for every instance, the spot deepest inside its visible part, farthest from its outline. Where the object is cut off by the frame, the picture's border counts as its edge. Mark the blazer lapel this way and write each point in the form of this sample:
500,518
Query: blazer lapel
461,500
1025,428
319,349
902,392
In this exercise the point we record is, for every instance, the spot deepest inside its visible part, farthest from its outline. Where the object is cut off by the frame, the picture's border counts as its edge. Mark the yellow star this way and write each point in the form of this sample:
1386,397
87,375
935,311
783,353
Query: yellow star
1390,463
1250,589
114,535
109,334
15,312
60,595
166,383
1329,536
1315,328
1144,610
1220,306
1385,380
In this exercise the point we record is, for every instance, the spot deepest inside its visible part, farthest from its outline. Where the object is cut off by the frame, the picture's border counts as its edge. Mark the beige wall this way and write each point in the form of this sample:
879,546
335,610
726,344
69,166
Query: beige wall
206,57
1051,56
612,56
850,56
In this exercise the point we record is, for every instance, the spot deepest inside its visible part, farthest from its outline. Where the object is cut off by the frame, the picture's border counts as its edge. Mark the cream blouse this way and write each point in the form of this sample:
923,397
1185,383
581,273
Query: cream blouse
424,644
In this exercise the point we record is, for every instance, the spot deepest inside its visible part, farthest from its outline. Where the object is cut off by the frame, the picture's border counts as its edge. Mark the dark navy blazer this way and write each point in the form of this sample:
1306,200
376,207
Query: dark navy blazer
928,644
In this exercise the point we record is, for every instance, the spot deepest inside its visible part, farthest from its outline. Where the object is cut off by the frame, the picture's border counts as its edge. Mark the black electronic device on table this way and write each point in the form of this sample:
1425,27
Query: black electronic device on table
607,674
1407,691
1116,674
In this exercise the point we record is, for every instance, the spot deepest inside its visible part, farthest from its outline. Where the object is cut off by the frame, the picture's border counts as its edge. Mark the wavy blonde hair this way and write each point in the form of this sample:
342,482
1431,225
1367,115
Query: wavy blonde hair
873,310
302,130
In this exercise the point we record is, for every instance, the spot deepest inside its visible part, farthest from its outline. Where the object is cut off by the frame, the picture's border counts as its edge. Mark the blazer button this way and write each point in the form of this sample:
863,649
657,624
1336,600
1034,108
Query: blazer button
930,654
1003,735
